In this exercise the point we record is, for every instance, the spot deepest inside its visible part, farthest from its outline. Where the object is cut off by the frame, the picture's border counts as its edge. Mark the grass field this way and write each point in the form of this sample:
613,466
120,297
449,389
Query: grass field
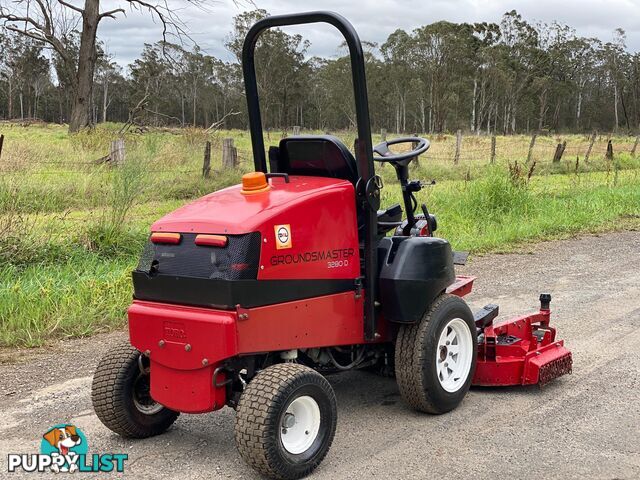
71,230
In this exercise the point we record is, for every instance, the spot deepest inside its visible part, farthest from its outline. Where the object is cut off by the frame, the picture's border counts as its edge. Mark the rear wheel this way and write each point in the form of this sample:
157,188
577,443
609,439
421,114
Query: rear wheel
436,357
285,421
121,397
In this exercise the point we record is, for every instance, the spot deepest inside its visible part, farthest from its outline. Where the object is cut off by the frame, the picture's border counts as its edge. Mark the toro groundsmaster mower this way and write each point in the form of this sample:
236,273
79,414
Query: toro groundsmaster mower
248,296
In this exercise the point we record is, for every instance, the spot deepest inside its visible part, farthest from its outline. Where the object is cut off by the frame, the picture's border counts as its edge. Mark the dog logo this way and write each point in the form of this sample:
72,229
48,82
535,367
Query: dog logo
64,448
283,236
67,442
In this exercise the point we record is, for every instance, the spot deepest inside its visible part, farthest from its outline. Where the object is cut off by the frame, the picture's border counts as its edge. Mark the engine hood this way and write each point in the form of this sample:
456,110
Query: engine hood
229,211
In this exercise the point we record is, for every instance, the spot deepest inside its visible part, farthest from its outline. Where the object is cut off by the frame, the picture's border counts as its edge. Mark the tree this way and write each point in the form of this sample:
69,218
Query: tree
32,71
107,72
8,56
518,52
26,72
615,60
279,60
51,21
511,77
152,78
486,77
582,65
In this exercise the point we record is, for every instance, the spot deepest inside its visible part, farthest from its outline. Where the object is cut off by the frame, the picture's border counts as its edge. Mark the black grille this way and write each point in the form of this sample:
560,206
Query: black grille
237,261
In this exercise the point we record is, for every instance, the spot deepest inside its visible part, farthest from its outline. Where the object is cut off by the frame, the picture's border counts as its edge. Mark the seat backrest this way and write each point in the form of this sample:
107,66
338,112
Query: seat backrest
316,155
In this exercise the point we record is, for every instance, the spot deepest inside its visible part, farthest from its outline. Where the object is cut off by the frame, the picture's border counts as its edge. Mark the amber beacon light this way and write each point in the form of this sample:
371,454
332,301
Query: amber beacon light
254,182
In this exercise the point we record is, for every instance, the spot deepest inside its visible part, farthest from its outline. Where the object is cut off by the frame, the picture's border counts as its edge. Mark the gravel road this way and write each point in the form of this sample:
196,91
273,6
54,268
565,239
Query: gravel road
584,425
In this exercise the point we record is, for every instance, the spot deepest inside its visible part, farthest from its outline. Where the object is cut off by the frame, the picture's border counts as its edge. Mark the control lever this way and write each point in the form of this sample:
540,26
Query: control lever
431,219
425,211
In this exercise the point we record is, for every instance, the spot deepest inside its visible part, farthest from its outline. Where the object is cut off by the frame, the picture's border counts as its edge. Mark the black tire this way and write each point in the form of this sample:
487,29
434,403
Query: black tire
116,382
415,358
261,412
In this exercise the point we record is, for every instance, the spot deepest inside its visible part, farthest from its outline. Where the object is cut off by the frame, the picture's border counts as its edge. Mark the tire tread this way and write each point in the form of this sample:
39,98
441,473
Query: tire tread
107,394
259,404
411,361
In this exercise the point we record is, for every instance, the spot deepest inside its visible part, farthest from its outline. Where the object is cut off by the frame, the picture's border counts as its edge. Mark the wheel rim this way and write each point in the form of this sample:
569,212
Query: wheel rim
454,355
142,396
300,425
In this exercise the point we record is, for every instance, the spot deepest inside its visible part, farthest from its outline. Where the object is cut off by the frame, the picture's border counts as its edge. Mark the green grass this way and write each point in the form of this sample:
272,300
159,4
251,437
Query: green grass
491,215
71,230
81,295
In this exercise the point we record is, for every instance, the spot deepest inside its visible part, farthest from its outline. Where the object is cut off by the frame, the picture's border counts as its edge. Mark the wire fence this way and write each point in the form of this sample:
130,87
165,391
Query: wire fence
71,195
447,150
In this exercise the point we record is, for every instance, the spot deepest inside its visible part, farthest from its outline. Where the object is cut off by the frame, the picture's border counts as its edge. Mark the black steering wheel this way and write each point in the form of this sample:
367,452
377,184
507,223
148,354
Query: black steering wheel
386,155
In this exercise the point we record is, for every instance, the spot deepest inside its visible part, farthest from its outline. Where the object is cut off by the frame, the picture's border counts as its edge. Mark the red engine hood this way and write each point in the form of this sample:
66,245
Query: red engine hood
229,211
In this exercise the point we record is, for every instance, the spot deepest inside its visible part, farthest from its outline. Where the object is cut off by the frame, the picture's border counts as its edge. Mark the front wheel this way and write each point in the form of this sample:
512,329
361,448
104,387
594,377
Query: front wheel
285,421
436,357
121,397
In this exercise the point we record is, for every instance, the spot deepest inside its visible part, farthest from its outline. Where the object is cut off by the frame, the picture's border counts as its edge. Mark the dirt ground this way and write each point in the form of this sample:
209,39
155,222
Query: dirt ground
585,425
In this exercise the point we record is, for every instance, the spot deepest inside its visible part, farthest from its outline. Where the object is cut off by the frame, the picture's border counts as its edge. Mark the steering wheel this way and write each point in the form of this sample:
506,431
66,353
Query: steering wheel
386,155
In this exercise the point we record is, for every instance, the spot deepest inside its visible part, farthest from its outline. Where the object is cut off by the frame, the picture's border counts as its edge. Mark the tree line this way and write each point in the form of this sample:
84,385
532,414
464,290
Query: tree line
507,77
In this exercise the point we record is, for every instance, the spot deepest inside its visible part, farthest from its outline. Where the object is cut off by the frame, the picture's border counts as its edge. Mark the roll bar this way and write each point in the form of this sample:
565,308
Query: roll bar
368,189
364,155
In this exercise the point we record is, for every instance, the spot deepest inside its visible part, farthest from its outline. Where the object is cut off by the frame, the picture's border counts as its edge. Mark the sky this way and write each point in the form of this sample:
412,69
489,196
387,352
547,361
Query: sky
373,19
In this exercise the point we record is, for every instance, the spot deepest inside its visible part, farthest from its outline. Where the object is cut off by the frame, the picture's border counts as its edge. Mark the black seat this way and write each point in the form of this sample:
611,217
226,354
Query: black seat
314,155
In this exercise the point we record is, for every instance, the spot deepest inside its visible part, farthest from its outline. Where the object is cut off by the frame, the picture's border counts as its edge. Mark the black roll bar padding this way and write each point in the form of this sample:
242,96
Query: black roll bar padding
364,149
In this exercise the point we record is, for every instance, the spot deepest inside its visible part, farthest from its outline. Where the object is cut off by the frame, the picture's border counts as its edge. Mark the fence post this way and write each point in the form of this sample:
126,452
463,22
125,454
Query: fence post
633,149
416,162
383,134
493,148
591,142
609,154
296,129
206,165
557,156
456,158
531,145
229,154
117,155
1,144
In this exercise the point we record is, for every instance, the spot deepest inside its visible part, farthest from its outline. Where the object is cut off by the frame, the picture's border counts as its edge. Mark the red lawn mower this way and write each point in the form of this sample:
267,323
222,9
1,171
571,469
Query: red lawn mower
248,296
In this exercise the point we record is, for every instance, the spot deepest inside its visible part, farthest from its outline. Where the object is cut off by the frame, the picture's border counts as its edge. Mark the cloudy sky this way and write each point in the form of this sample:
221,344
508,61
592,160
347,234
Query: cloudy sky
373,19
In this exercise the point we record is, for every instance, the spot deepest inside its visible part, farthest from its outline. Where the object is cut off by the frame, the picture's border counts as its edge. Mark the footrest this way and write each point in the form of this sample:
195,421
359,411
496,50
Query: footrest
486,315
462,286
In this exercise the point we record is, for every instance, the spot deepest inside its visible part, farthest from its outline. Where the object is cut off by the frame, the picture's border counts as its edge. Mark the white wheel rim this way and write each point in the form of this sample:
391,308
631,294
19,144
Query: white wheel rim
454,355
300,425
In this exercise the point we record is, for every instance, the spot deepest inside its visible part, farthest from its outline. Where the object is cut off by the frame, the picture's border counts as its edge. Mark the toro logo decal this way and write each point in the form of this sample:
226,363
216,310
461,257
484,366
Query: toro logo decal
174,330
283,236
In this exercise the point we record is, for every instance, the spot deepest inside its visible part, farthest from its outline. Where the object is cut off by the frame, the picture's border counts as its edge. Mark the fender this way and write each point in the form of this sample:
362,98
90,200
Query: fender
413,272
